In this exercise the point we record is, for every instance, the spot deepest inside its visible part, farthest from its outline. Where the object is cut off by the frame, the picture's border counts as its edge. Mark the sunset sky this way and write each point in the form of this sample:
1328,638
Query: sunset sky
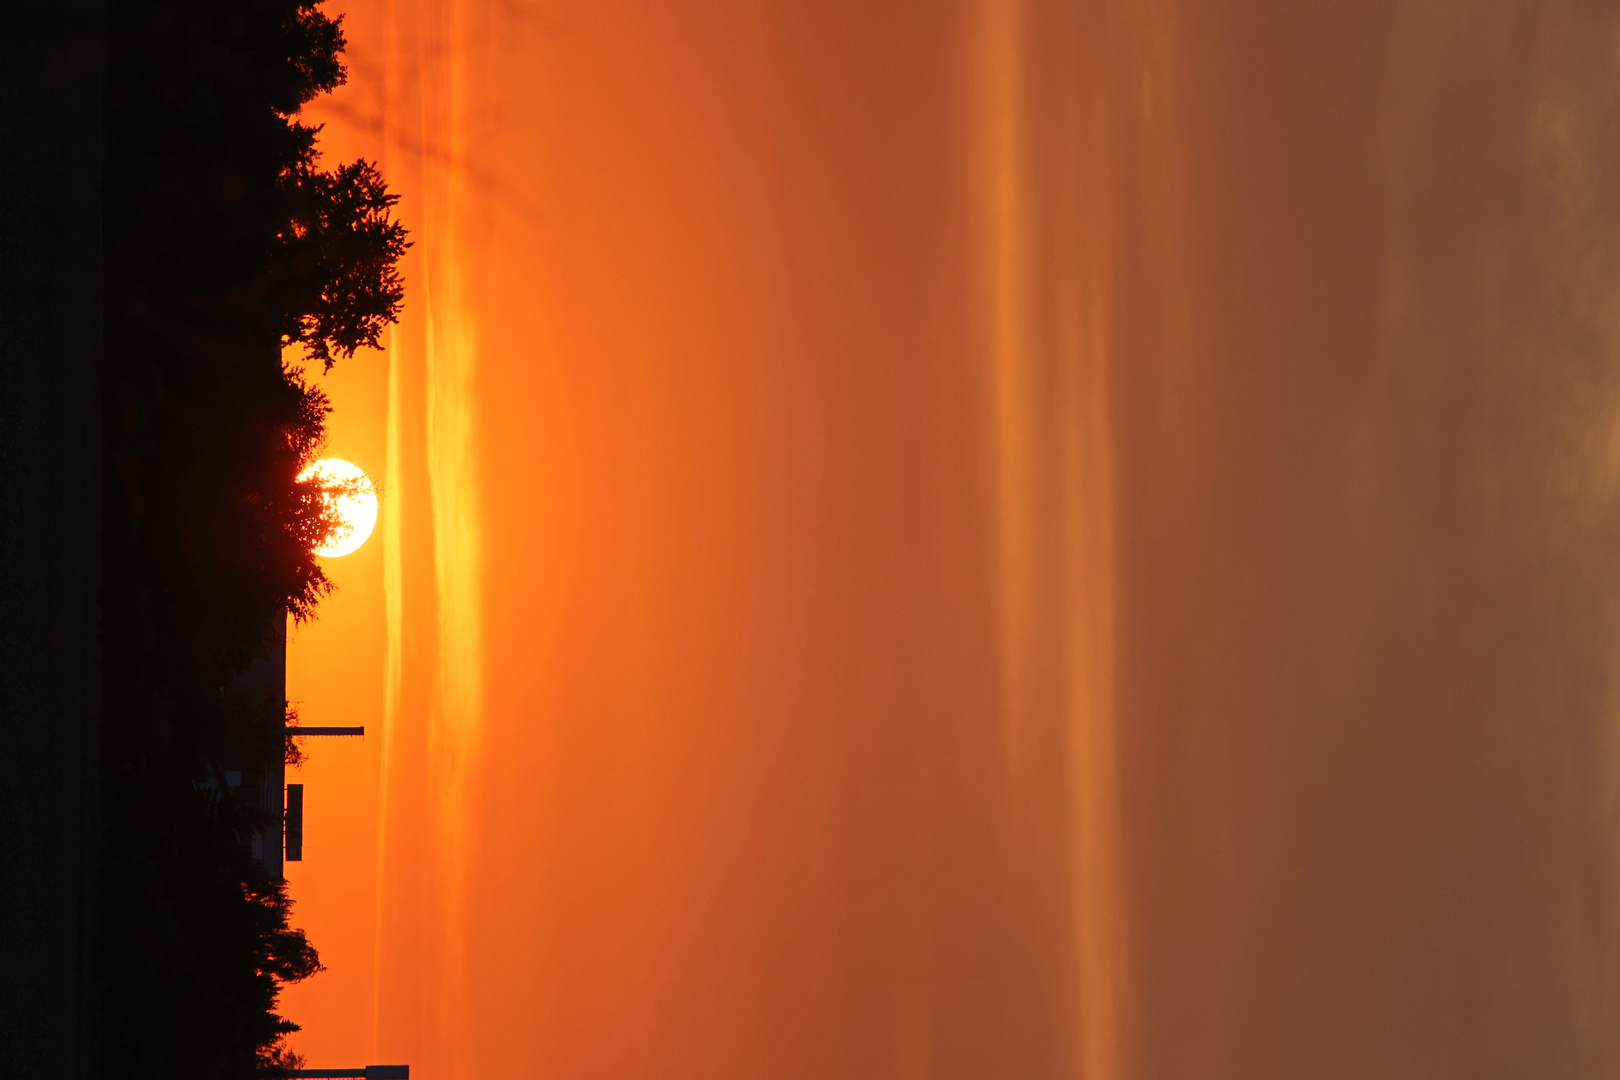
986,539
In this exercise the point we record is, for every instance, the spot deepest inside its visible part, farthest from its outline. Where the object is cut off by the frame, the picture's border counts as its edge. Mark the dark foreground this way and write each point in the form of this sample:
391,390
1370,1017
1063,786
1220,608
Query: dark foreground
166,230
50,320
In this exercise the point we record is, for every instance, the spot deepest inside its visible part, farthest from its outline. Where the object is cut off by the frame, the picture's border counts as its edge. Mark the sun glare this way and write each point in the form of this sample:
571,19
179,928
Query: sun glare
349,492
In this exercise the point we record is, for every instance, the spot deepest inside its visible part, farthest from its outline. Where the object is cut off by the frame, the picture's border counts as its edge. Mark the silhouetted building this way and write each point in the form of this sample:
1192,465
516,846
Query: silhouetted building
263,784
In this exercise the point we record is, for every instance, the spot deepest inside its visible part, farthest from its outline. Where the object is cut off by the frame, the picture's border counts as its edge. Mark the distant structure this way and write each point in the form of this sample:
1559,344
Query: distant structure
263,784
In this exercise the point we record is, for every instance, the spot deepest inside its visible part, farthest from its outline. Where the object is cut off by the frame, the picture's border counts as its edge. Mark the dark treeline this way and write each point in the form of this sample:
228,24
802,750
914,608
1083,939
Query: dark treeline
226,239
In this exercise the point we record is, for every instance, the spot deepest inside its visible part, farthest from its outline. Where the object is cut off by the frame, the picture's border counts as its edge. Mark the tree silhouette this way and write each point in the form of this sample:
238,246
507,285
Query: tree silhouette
304,49
283,953
338,260
224,242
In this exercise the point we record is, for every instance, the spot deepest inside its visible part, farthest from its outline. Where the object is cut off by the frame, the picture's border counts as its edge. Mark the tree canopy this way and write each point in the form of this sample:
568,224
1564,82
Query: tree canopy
339,260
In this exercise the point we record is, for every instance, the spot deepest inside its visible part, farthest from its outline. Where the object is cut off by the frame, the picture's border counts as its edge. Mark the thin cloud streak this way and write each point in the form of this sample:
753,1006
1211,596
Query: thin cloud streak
433,579
1043,189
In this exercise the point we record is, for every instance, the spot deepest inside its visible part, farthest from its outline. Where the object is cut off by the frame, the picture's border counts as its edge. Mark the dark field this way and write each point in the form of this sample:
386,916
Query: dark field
50,332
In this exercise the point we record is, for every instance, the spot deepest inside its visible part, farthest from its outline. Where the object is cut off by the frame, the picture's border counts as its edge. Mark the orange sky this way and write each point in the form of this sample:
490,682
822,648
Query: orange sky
996,539
709,454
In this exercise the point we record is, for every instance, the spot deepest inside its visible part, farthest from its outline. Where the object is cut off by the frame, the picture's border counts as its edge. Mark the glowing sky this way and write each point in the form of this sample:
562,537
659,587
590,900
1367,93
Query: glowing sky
976,540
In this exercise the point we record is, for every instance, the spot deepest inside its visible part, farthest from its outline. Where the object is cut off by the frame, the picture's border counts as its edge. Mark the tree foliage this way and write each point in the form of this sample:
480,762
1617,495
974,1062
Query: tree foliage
339,257
306,53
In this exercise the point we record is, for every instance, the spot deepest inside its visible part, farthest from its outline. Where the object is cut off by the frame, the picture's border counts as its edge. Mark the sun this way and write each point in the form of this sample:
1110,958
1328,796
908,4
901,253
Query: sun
349,492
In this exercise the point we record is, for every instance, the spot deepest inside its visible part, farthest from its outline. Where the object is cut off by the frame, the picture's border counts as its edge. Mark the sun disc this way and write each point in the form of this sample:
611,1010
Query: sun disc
348,491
